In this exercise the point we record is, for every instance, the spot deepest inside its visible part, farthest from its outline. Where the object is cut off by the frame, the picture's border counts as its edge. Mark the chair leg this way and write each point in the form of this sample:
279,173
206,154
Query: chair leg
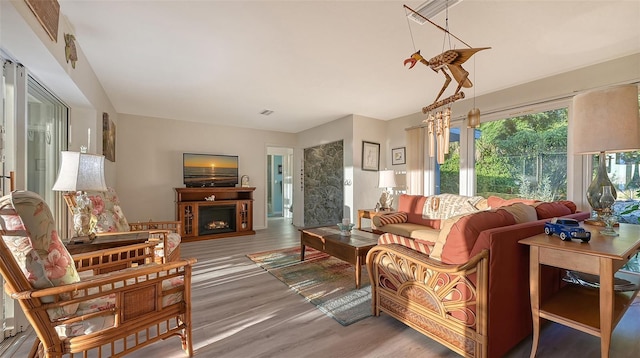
37,349
187,344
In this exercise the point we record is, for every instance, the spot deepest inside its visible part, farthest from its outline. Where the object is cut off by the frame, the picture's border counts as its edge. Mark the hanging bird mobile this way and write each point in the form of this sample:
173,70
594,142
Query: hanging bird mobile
451,60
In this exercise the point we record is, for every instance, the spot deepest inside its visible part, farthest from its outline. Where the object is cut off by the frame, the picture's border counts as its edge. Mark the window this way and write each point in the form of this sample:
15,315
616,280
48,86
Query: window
32,144
623,170
448,173
523,156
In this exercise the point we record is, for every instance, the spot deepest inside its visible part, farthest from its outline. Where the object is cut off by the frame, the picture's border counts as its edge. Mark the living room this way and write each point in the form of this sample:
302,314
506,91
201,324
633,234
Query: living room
149,146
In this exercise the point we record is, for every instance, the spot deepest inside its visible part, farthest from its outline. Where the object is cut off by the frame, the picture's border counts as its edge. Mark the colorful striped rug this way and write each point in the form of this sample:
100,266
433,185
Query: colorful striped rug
325,281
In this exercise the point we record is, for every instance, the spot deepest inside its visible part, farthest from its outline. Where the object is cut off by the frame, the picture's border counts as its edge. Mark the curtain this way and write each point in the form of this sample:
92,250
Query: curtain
415,160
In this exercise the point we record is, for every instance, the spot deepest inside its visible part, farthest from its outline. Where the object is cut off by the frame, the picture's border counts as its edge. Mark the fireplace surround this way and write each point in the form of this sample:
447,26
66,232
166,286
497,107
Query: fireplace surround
229,214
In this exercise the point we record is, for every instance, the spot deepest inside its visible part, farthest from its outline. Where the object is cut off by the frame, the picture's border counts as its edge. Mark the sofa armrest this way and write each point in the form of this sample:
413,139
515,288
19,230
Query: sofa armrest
447,302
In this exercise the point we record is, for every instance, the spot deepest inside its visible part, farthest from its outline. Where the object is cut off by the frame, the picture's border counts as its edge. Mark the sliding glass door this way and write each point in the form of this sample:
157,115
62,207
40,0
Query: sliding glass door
46,131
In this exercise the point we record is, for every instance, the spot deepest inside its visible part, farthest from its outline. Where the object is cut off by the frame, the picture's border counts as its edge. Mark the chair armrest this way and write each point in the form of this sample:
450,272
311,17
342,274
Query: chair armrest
173,226
100,285
117,258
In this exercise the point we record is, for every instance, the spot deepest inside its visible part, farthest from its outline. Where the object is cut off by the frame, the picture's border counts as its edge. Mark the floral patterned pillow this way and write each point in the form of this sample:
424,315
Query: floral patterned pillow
32,238
106,207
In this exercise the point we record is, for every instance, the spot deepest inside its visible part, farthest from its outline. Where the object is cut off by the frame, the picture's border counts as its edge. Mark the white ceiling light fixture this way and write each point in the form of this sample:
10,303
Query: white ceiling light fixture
430,9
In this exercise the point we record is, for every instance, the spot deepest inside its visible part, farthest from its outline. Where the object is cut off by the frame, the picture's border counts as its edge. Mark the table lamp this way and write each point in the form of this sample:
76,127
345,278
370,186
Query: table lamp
603,121
80,172
386,180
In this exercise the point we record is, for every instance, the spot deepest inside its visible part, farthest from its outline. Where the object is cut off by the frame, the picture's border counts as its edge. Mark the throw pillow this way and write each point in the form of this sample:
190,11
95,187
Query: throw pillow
106,207
444,206
521,212
395,218
549,210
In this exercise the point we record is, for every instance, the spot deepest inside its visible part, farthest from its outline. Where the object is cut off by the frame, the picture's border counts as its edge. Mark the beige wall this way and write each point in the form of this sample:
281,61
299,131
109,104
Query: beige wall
149,161
22,36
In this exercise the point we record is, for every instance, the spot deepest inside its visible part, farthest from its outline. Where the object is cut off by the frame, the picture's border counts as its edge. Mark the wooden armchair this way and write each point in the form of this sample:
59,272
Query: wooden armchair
110,219
105,304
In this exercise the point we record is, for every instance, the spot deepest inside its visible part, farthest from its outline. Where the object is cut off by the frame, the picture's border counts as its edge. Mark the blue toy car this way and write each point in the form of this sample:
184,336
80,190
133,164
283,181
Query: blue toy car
567,229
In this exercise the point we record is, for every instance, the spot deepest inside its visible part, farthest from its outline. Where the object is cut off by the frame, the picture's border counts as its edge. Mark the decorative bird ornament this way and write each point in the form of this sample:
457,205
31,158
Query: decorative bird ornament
70,49
452,60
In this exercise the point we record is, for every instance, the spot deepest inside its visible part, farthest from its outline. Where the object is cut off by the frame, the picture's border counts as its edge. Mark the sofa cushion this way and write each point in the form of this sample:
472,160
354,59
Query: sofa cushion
444,206
412,230
459,234
413,206
549,210
31,236
521,212
394,218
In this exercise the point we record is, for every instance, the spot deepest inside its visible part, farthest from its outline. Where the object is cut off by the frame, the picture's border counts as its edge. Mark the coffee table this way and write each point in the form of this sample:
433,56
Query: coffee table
352,249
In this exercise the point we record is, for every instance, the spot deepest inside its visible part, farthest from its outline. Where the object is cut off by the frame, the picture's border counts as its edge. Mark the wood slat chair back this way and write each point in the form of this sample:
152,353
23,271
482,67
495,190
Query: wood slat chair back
143,302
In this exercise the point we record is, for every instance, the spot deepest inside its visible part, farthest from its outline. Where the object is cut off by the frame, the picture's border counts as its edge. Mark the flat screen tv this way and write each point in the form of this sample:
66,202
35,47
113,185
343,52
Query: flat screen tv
209,170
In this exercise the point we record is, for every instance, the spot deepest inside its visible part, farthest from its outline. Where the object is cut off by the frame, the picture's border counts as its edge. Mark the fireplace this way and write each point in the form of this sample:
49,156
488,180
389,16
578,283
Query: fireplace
216,219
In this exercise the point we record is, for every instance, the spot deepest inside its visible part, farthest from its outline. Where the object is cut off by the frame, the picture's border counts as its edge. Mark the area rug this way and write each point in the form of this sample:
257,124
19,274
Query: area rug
325,281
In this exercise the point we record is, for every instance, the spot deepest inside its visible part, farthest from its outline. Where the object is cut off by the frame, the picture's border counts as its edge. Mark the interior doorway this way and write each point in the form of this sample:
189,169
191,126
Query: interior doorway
279,182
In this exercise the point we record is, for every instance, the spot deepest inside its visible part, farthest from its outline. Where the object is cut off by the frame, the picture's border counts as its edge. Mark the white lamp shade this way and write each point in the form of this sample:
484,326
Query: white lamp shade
81,172
605,121
386,179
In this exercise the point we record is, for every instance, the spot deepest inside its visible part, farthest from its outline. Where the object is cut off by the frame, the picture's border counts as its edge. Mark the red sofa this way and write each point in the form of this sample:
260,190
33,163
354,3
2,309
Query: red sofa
468,290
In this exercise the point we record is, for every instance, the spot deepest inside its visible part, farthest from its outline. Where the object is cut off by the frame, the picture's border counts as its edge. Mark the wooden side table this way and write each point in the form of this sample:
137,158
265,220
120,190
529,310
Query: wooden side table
369,214
593,311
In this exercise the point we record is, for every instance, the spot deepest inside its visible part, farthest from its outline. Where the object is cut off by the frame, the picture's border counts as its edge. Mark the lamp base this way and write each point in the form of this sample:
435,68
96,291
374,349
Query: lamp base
594,222
597,219
385,201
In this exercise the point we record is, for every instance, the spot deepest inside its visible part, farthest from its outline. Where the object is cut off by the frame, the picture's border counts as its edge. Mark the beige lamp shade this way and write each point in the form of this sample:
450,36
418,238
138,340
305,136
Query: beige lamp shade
605,120
81,172
386,179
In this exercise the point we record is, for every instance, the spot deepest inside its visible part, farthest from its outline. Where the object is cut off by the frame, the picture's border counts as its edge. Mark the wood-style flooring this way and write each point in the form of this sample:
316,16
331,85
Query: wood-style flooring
239,310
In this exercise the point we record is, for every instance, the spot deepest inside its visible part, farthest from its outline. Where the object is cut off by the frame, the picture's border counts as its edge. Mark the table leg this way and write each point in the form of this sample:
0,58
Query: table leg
358,267
534,291
360,216
606,305
302,247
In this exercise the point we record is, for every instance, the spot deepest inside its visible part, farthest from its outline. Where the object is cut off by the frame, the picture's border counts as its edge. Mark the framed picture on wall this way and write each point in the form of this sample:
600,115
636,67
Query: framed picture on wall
397,156
370,156
108,138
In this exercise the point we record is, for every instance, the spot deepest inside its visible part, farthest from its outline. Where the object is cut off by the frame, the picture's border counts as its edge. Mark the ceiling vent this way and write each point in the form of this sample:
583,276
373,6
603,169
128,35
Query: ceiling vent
266,112
431,8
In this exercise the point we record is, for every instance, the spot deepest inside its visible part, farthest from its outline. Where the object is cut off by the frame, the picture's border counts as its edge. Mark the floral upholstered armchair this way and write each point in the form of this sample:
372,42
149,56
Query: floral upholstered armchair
71,305
106,217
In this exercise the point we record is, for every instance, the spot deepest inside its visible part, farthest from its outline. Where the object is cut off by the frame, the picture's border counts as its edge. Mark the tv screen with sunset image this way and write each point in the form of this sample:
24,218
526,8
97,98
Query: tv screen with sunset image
209,170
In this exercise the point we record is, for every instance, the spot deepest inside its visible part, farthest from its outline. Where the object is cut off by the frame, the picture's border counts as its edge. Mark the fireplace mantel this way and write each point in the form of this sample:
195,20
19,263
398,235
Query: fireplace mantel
190,201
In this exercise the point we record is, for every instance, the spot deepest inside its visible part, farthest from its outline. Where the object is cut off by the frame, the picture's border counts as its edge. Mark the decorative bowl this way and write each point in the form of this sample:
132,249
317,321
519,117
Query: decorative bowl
345,230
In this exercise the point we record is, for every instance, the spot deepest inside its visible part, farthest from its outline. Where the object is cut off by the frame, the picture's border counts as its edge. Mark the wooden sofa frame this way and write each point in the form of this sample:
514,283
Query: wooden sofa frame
425,294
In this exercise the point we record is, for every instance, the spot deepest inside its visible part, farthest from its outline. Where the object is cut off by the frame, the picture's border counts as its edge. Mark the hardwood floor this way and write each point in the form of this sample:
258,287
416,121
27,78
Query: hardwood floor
239,310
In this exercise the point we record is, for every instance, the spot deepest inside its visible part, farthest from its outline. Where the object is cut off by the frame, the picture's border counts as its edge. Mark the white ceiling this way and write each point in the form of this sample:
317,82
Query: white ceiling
312,62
